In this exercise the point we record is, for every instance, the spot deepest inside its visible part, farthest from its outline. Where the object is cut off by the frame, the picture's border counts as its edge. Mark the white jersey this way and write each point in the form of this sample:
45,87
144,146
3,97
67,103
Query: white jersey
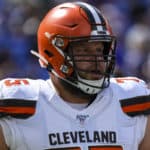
34,117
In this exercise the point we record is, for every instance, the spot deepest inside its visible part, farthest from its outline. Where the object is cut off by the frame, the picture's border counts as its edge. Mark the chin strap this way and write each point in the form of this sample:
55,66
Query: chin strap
41,60
90,86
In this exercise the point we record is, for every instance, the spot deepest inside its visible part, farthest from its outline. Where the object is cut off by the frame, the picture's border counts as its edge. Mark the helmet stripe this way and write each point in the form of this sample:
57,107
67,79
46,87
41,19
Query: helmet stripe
103,21
93,15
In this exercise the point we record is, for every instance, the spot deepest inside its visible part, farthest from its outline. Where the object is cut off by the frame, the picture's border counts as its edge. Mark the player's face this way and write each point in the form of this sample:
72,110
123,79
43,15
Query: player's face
89,60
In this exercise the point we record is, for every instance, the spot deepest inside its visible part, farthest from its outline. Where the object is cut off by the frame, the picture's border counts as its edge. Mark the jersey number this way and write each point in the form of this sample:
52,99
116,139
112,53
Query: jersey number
16,82
111,147
122,80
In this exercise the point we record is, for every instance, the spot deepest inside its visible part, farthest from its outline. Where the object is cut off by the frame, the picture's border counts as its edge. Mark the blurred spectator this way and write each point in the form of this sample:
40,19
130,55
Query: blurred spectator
137,51
19,21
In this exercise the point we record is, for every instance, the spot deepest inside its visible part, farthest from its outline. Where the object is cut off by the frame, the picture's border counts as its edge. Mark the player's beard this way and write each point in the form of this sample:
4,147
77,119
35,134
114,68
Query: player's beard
77,92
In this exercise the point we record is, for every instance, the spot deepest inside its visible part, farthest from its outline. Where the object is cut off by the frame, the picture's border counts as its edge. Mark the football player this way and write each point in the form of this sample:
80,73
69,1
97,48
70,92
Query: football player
81,107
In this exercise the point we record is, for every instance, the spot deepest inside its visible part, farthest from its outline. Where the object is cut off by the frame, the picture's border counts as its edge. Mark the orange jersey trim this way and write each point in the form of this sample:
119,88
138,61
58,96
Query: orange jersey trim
139,105
18,108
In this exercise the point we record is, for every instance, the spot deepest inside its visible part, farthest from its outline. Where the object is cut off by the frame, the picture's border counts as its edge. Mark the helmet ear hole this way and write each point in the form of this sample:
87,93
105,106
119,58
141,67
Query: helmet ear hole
48,53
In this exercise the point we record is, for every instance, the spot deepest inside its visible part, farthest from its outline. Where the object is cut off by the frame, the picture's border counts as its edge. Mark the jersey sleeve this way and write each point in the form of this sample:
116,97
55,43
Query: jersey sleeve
18,97
134,96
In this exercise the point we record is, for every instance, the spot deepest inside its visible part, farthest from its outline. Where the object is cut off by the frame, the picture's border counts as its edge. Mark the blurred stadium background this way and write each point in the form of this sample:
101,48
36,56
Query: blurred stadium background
19,20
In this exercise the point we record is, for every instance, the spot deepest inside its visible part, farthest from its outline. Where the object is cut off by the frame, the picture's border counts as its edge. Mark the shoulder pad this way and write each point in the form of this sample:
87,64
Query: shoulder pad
135,106
129,86
18,97
129,82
